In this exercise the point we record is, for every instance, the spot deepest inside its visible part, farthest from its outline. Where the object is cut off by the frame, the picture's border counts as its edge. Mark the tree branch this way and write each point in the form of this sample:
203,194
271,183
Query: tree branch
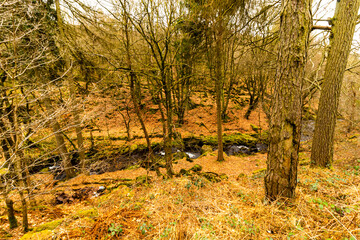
316,27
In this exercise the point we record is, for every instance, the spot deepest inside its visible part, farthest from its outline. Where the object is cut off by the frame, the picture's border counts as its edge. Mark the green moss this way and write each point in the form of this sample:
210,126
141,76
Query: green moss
144,179
44,170
214,177
232,139
183,172
206,149
136,166
239,139
43,235
124,150
48,226
209,140
262,170
241,175
196,168
223,176
255,128
133,147
89,213
354,136
179,155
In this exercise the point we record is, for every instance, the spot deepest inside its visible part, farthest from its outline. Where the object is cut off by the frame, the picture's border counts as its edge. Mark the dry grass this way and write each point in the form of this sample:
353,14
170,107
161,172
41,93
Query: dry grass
191,207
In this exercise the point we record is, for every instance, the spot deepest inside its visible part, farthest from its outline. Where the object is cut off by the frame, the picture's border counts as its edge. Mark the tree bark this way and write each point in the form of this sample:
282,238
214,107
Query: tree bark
21,189
219,87
169,132
10,212
285,120
60,142
135,86
72,89
352,107
78,129
343,28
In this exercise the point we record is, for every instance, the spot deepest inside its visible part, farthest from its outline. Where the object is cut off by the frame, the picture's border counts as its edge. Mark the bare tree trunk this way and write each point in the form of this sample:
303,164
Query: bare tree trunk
60,143
169,132
285,121
72,87
134,83
219,88
138,112
10,212
343,29
252,105
352,107
78,129
21,189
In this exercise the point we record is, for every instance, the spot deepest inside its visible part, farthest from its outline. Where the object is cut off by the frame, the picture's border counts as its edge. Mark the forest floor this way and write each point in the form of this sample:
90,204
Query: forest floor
215,201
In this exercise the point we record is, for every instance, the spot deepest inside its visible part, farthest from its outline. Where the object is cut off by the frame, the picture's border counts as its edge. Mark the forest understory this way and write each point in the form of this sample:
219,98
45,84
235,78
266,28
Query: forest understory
206,199
179,119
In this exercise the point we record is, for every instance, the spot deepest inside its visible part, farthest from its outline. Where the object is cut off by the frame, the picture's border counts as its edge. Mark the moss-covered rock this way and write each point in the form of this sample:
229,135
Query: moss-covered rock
196,168
240,139
255,128
144,179
49,225
179,155
232,139
214,177
209,140
89,213
183,172
44,170
42,235
241,175
206,149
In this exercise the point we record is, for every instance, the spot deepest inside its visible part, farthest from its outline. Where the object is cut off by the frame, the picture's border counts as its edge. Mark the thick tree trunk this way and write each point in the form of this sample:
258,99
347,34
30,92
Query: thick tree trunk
343,29
285,120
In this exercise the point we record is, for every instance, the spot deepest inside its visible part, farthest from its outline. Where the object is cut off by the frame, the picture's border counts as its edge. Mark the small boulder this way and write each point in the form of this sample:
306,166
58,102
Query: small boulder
196,168
206,148
43,235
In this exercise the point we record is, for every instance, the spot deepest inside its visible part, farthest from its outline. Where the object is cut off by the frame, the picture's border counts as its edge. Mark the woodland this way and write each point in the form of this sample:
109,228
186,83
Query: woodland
179,119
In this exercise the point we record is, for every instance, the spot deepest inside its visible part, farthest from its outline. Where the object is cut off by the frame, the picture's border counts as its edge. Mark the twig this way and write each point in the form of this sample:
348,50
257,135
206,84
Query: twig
340,223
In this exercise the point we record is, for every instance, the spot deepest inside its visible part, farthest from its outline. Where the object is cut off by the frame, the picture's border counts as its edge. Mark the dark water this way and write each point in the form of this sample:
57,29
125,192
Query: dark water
120,162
